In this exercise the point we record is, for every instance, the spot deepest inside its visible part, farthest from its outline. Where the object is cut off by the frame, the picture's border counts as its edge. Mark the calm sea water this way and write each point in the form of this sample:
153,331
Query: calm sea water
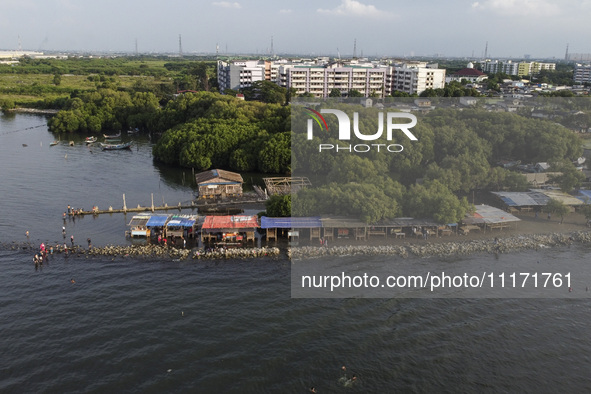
130,325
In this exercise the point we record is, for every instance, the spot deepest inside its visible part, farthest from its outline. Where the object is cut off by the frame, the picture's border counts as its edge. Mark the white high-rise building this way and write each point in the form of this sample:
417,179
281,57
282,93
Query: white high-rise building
240,74
321,78
414,79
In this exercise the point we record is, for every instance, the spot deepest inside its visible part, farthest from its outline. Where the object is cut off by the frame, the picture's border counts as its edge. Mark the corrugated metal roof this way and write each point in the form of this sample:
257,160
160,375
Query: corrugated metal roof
290,222
212,174
523,199
561,196
140,220
489,215
230,222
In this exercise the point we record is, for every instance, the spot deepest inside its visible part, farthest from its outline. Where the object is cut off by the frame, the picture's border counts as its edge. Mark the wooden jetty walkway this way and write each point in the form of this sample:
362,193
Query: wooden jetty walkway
211,205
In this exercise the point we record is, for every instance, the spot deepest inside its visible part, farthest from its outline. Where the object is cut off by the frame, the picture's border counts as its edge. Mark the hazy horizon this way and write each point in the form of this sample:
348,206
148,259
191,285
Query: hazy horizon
456,28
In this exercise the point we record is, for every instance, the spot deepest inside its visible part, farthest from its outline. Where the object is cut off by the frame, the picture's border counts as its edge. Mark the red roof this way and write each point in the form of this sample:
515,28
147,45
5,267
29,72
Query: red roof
469,72
230,222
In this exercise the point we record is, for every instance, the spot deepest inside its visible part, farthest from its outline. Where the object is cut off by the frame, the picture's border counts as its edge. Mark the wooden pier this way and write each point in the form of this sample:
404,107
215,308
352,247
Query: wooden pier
211,205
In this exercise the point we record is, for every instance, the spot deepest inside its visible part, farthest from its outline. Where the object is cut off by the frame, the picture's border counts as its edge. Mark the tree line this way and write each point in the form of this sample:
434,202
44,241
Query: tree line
456,153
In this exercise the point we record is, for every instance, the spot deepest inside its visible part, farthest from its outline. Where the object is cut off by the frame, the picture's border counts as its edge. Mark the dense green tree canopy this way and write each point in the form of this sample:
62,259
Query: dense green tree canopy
456,152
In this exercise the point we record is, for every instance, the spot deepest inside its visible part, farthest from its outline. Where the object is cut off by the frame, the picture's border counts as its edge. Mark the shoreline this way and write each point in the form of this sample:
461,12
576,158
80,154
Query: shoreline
449,248
47,111
507,244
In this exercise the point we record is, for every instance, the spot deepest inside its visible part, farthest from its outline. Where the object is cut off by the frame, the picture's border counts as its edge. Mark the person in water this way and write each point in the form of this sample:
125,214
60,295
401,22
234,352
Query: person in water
350,382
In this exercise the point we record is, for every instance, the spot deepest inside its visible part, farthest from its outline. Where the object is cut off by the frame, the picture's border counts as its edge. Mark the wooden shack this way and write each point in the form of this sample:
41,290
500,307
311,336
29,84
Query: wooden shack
219,183
229,229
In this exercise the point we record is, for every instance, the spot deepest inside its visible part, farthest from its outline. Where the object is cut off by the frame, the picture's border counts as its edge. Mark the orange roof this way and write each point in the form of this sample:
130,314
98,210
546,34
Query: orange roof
230,222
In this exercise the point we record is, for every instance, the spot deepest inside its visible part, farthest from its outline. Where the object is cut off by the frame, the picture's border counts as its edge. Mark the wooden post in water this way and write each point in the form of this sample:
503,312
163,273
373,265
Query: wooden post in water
124,205
152,202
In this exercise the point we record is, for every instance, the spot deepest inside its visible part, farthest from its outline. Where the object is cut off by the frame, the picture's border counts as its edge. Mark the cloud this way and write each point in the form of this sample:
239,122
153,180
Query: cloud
285,11
226,4
520,8
355,8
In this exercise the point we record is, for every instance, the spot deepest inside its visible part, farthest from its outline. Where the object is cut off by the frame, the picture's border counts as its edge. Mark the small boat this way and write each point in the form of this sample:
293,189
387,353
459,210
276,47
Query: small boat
133,131
54,143
91,140
112,136
126,145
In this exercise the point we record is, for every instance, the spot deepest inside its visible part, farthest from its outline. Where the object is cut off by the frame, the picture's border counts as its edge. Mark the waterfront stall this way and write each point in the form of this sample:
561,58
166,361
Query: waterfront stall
182,226
157,224
345,228
420,228
230,230
292,224
487,217
138,226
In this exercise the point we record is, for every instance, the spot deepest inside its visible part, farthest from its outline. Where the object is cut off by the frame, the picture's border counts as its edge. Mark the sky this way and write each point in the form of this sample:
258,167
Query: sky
448,28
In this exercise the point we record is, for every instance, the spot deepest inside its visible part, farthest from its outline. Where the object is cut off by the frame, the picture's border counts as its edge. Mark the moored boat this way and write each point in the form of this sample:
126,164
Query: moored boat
91,140
112,136
126,145
53,143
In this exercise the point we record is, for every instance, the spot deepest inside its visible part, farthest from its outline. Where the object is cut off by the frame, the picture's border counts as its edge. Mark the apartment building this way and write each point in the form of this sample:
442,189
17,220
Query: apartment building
320,81
240,74
414,79
321,77
496,66
511,68
582,73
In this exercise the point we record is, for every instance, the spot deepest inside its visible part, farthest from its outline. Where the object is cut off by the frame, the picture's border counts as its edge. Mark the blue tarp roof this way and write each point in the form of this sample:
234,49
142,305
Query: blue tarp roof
585,196
290,222
181,222
157,221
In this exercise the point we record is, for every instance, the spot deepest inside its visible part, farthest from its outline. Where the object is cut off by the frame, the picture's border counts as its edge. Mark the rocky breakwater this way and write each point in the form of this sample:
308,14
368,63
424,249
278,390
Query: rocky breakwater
448,248
149,251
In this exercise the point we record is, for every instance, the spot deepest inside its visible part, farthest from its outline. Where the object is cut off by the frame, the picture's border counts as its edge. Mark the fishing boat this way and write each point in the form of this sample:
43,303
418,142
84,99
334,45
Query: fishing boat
54,143
126,145
91,140
112,136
